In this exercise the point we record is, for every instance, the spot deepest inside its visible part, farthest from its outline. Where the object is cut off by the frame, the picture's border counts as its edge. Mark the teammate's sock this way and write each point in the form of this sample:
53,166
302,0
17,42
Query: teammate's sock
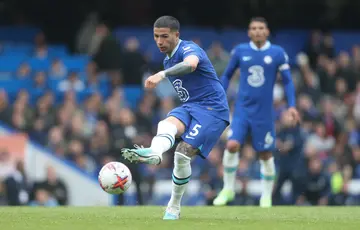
165,137
267,176
180,177
230,163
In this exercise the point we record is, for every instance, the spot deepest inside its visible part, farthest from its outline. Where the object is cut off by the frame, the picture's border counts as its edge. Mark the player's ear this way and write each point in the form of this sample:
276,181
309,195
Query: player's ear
267,32
177,34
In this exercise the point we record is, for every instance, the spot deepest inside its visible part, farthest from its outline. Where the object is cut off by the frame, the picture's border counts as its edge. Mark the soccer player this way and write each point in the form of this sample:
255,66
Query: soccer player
259,62
199,121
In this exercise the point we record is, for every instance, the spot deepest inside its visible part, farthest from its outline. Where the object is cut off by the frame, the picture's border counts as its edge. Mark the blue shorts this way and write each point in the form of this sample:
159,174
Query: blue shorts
262,131
202,130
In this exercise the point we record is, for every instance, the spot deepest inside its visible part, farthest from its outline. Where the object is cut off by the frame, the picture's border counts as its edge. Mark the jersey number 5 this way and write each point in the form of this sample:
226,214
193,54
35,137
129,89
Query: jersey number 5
195,131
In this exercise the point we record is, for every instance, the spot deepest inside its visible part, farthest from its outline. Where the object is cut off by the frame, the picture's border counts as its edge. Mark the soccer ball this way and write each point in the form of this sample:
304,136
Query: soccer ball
115,178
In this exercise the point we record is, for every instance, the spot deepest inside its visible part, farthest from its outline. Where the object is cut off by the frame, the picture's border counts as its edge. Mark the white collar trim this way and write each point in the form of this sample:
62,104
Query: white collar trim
264,47
174,50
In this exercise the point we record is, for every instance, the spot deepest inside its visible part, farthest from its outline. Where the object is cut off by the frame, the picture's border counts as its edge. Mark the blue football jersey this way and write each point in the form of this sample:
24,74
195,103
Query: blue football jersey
201,87
258,73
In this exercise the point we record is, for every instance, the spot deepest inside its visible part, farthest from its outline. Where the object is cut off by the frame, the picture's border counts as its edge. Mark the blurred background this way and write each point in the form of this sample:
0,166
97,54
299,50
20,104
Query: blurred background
71,97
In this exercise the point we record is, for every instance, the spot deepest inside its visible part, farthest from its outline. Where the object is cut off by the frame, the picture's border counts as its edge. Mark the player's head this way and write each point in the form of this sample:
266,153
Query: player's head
258,30
166,33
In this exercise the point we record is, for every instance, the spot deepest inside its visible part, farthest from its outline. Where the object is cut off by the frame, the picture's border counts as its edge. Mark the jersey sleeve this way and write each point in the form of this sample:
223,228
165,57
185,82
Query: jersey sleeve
284,69
283,61
191,49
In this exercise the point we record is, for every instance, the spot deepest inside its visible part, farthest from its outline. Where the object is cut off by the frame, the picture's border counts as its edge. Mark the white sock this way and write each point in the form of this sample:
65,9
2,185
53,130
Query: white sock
165,137
267,176
230,163
181,177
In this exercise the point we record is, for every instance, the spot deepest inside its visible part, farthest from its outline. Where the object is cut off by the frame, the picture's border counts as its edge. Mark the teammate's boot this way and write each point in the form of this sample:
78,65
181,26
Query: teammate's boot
265,201
141,155
172,213
224,197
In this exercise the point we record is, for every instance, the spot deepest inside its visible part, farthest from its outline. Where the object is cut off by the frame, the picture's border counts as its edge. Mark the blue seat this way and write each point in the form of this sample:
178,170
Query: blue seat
76,63
59,51
20,48
39,64
143,34
231,37
10,63
344,41
293,41
133,95
18,33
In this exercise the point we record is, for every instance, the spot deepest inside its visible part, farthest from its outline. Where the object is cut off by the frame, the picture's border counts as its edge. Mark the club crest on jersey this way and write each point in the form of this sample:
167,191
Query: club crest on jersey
181,91
267,59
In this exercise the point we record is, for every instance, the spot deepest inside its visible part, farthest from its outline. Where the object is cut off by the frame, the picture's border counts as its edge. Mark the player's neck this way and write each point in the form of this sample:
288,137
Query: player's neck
259,45
169,54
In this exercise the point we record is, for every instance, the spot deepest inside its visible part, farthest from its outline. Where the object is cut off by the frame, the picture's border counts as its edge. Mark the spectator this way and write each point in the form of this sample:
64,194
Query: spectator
314,47
51,191
40,83
210,176
18,186
105,50
5,110
356,111
72,83
24,71
310,85
320,140
332,126
43,198
316,190
41,49
290,144
218,57
57,70
134,63
356,58
346,70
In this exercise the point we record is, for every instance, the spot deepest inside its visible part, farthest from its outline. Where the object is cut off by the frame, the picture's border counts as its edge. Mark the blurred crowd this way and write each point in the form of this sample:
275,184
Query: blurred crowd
319,157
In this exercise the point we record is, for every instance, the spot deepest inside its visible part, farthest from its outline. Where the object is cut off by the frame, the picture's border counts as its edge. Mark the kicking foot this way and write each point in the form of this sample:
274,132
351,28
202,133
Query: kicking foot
141,155
172,213
265,202
224,197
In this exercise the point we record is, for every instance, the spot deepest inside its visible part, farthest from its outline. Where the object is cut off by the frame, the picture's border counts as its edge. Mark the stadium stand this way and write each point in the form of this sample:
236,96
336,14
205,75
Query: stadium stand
89,124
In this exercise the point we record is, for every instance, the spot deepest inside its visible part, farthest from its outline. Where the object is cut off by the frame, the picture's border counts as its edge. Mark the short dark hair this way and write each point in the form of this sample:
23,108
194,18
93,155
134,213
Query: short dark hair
167,22
259,19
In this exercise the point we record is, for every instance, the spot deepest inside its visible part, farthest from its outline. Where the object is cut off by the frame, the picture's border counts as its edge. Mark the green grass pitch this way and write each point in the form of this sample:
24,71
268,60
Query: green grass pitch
194,218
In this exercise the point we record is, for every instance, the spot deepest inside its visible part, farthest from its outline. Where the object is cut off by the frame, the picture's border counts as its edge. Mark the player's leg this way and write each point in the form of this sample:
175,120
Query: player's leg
180,178
173,125
237,135
196,141
263,134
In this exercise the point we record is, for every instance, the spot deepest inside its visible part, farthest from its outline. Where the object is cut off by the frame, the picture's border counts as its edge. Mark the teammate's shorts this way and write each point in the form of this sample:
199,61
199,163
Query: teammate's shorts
202,130
262,132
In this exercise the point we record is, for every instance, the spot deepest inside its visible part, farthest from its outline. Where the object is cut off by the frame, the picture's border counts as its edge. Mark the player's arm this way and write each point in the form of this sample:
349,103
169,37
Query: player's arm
284,69
288,84
230,69
187,66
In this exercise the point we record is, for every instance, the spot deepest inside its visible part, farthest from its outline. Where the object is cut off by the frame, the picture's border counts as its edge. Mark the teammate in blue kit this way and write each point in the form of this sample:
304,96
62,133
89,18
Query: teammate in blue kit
204,110
259,62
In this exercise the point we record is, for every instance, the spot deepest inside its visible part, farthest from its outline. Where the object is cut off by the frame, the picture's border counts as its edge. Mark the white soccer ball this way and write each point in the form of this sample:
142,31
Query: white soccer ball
115,178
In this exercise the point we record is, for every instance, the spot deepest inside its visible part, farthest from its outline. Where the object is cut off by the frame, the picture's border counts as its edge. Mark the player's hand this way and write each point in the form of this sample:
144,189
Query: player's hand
152,81
294,116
